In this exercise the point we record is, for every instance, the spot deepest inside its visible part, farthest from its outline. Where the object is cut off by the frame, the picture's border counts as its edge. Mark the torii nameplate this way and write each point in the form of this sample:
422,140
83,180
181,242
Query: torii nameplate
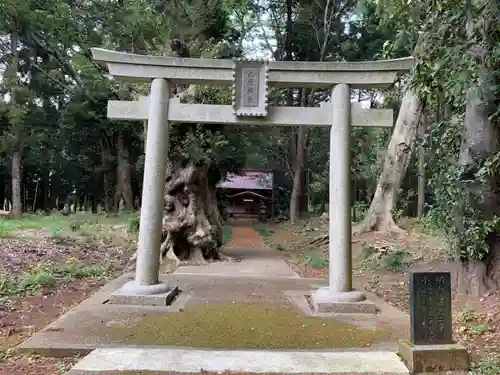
250,86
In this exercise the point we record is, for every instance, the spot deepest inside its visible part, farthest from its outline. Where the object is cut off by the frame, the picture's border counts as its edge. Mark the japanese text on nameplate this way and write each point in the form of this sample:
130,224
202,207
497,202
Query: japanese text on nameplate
249,87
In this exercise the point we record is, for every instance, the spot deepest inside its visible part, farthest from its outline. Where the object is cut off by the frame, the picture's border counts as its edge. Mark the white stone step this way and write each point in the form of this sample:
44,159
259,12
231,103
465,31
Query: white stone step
250,361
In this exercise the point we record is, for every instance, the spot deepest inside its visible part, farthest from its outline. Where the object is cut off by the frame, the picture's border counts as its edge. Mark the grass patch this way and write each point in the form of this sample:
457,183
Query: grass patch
489,365
266,233
120,229
239,326
6,354
227,232
47,276
393,259
263,230
467,315
134,223
315,261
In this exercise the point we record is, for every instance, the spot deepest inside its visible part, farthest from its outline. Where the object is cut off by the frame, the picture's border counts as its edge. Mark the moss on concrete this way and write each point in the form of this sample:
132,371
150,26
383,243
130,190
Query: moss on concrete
240,326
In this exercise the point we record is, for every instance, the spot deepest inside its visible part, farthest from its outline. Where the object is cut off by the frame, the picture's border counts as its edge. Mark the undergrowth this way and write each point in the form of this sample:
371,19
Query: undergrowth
227,231
393,259
266,233
489,365
44,276
315,261
263,230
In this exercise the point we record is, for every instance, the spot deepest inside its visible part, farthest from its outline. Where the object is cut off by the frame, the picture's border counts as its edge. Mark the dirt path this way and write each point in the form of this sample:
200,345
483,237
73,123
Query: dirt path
245,236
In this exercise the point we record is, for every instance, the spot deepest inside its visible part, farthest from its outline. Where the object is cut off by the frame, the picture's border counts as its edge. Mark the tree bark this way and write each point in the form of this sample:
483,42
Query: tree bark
480,141
421,167
298,175
108,183
17,207
192,223
379,216
124,175
477,275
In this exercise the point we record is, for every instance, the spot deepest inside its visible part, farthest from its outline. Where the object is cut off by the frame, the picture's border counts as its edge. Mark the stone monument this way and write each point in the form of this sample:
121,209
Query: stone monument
431,348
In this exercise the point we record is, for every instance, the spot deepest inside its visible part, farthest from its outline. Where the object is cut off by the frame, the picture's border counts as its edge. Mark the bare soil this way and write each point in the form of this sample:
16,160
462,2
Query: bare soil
23,315
244,236
476,321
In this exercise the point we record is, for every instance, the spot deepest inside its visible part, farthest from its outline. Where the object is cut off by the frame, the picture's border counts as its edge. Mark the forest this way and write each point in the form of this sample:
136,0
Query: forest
440,161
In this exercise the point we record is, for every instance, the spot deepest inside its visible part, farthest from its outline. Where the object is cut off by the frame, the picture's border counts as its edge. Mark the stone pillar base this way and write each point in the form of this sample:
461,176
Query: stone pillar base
325,300
433,358
133,293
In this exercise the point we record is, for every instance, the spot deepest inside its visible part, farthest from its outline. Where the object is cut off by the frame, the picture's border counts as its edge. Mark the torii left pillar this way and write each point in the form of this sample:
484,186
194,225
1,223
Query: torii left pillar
146,289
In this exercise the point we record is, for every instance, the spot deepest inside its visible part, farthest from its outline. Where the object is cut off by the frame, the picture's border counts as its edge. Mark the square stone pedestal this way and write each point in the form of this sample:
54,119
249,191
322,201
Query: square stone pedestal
353,302
126,296
434,358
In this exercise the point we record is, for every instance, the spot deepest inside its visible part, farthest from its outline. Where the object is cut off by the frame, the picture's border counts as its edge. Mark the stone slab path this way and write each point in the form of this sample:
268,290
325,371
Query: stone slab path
257,259
240,361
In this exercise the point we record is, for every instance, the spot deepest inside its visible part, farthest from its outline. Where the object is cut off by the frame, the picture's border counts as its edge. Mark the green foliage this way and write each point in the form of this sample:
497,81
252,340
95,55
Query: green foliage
489,365
5,227
445,72
133,223
44,276
264,230
6,354
456,201
56,231
316,261
227,231
75,270
37,278
395,260
58,115
466,315
367,251
266,235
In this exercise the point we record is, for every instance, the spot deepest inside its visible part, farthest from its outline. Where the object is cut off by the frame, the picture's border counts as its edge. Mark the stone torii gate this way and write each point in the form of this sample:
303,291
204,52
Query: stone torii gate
250,80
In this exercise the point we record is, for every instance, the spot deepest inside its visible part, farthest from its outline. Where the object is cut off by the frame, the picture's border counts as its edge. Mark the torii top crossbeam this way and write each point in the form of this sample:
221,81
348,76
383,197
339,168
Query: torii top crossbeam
365,74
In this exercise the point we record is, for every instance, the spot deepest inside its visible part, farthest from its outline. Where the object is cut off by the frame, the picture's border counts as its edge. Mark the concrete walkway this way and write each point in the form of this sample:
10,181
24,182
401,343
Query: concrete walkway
257,259
240,361
262,274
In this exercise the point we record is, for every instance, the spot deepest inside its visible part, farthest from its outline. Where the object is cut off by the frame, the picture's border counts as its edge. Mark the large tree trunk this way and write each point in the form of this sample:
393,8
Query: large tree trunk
123,176
379,216
480,141
17,207
421,167
192,224
479,274
298,175
108,180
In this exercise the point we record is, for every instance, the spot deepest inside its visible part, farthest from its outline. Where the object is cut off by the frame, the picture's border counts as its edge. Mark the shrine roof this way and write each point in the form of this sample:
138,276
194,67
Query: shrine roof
248,179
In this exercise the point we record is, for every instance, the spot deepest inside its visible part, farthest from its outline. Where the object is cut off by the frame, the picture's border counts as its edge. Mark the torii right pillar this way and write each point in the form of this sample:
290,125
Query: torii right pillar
339,296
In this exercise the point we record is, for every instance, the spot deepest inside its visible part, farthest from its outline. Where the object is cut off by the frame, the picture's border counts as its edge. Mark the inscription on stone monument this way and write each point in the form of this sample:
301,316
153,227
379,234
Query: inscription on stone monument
250,88
430,308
